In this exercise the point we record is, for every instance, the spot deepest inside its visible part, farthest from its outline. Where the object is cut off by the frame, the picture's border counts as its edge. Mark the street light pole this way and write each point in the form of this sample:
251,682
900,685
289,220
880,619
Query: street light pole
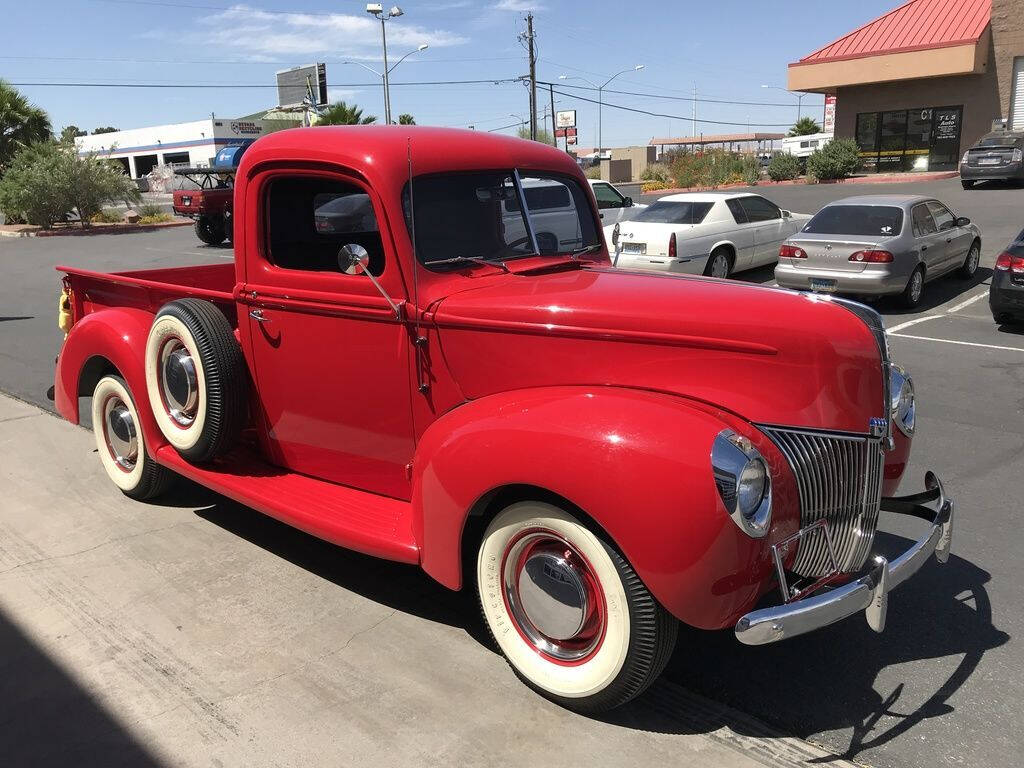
600,101
384,78
377,10
799,98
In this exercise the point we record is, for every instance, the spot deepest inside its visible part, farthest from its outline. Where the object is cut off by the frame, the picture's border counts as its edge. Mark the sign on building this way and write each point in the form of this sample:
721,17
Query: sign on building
565,118
829,123
295,84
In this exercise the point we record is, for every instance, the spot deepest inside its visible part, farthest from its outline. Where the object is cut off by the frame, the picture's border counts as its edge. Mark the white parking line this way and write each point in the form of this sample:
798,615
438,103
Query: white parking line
962,304
909,323
951,341
951,310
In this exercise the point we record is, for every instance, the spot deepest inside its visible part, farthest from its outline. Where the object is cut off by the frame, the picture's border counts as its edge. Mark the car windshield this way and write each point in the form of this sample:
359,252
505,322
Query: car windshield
1000,141
674,212
477,215
877,220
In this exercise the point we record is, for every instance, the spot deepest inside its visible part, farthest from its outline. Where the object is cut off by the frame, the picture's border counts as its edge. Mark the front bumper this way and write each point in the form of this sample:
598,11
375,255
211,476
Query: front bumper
869,593
869,282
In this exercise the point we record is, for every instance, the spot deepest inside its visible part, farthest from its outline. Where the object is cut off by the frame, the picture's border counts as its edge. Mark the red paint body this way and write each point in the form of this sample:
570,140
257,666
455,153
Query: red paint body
601,386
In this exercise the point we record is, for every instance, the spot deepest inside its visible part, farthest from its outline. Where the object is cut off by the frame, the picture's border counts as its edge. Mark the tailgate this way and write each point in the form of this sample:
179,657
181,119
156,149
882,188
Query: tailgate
980,157
831,254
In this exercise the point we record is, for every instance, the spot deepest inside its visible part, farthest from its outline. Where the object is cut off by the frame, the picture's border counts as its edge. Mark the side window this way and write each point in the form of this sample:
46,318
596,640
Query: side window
310,218
924,224
737,210
943,218
759,209
607,196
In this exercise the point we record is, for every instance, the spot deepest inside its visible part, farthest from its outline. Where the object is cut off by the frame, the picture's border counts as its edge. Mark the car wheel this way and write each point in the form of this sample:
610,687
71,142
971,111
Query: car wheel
120,444
966,184
196,378
568,612
911,295
970,265
719,264
210,230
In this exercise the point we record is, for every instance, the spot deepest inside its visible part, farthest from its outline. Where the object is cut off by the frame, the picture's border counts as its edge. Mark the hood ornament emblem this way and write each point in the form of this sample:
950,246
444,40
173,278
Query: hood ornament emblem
877,426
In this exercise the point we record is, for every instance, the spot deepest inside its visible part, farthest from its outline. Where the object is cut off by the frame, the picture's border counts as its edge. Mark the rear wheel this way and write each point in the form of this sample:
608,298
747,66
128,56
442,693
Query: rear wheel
970,265
120,444
210,229
911,295
719,264
570,615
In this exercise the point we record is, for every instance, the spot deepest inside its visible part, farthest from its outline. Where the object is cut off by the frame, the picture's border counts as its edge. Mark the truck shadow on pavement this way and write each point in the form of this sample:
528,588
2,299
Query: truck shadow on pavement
48,719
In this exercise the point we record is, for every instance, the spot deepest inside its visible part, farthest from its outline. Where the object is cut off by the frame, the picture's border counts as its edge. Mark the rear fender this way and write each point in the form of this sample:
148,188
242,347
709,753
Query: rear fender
117,336
636,463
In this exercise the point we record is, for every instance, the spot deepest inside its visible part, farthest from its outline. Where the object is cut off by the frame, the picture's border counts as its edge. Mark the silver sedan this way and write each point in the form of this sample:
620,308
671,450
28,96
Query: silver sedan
873,245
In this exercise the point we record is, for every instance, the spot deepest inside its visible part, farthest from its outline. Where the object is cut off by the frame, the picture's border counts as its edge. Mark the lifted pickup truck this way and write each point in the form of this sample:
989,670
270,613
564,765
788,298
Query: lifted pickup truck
393,367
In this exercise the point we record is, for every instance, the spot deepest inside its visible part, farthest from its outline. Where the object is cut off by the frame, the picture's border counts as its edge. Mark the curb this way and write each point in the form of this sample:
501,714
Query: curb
96,229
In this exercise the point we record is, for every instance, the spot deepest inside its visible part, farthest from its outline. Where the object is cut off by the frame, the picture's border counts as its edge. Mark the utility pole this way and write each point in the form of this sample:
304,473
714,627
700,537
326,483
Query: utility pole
695,109
554,139
533,75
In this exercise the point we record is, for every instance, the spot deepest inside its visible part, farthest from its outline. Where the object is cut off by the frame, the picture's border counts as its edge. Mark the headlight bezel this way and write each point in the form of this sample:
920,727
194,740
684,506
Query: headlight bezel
731,455
902,400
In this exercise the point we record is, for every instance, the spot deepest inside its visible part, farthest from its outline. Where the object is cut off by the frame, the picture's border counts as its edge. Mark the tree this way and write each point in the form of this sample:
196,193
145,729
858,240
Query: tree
105,129
21,124
406,119
71,132
48,180
805,126
543,134
341,113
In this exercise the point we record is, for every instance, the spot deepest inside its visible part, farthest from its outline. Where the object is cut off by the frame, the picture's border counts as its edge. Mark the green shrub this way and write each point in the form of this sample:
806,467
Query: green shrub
156,218
655,172
751,170
654,186
783,167
107,216
148,210
713,168
836,160
593,172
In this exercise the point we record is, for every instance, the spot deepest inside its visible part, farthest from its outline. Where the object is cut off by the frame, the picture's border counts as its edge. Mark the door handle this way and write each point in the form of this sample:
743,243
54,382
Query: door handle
258,316
923,248
949,239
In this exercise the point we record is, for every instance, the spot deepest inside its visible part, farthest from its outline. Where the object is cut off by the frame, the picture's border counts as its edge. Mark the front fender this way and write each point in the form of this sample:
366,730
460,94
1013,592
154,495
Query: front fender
117,335
636,462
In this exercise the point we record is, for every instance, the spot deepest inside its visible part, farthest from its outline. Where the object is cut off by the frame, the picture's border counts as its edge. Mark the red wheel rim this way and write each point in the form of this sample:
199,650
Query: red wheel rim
553,597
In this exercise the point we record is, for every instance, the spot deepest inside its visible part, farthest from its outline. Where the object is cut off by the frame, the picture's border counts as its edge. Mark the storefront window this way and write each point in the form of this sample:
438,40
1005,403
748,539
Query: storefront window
867,140
920,139
893,141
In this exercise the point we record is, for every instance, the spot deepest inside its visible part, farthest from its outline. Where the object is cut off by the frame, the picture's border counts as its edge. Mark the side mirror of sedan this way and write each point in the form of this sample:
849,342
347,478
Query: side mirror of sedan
962,221
787,214
627,202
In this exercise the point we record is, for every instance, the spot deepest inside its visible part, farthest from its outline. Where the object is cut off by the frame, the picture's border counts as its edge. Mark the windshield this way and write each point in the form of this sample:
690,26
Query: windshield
478,215
876,220
1004,140
668,212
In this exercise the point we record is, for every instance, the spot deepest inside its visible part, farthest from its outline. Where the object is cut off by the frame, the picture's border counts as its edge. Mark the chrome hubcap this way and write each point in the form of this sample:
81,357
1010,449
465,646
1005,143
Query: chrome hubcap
720,266
119,430
972,260
915,287
179,382
553,596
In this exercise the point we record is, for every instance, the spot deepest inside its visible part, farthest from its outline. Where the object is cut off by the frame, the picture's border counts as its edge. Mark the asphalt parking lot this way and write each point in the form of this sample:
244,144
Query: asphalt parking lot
944,685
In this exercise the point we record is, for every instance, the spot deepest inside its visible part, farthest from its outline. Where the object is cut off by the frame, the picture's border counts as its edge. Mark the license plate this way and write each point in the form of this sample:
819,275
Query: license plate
634,247
186,201
825,286
990,161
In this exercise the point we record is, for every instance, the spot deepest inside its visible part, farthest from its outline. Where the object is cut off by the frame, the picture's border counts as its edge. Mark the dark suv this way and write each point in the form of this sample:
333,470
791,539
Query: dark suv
1006,294
998,155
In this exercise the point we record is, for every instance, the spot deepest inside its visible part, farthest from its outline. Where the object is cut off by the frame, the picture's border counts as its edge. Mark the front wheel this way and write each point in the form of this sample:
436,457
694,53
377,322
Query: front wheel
568,612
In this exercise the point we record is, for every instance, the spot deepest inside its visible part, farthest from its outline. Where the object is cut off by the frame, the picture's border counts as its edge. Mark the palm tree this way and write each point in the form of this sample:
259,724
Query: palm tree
21,123
406,119
341,113
805,126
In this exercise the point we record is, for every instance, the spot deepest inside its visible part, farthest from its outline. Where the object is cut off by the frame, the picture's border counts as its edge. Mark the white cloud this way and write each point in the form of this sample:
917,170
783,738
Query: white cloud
259,35
518,5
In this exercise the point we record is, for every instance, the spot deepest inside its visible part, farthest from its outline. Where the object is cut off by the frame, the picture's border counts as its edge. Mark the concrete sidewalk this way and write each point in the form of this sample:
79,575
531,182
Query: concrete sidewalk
200,633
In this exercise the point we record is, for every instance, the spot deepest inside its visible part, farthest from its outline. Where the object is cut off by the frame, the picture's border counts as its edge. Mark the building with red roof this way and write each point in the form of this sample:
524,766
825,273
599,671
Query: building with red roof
920,84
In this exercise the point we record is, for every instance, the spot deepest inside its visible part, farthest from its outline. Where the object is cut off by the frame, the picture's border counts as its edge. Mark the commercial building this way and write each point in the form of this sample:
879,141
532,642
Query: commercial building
195,143
919,85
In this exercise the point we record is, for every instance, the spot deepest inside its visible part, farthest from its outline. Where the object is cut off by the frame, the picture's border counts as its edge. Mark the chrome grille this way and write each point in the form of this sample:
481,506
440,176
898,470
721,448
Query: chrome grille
839,478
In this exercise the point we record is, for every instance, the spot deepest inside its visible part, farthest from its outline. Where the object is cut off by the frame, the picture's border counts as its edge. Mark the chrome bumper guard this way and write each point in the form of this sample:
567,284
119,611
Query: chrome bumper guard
870,592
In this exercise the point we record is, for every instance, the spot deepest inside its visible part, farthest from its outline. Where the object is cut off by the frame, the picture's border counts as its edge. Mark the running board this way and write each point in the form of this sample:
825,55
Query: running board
376,525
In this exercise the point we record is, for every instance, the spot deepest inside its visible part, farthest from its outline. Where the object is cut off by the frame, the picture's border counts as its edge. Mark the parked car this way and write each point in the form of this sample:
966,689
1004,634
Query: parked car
1006,293
612,205
706,233
599,453
998,155
208,202
875,245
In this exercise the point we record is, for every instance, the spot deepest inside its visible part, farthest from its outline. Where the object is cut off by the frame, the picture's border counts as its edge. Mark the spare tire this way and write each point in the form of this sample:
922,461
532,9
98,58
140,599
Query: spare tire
196,379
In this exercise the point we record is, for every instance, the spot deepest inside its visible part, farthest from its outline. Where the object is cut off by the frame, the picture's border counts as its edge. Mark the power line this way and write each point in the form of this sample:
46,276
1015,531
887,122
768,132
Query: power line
673,117
675,98
162,4
491,81
247,62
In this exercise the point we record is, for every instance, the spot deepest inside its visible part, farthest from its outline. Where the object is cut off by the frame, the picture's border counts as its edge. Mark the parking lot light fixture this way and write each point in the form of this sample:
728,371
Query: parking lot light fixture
600,101
799,97
377,10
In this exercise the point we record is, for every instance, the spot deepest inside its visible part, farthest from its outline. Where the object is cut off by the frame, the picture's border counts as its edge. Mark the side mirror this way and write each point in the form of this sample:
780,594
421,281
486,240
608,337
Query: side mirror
627,202
787,214
353,259
962,221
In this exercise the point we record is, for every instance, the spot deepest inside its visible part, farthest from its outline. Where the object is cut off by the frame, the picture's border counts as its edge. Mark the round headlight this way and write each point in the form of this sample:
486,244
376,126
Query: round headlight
743,484
750,488
903,408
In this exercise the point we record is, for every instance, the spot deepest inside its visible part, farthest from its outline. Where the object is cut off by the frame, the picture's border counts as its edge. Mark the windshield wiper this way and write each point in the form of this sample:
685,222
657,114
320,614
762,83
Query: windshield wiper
472,259
587,249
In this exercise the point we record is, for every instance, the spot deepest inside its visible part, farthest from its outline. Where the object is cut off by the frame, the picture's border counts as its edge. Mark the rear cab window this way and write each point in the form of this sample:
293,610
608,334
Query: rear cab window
864,220
674,212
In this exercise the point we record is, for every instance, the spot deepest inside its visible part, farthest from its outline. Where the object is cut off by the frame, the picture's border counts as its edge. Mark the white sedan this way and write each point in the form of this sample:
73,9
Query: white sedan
704,233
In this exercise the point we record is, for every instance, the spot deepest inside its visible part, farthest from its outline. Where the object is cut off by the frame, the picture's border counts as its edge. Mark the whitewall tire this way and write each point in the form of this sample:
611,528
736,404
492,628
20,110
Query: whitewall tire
568,612
120,443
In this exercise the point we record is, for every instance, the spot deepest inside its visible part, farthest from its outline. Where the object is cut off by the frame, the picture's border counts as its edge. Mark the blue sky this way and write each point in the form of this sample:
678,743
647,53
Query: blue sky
728,48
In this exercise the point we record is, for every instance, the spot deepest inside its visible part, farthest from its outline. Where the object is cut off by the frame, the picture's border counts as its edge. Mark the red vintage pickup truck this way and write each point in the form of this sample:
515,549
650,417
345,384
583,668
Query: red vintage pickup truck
406,360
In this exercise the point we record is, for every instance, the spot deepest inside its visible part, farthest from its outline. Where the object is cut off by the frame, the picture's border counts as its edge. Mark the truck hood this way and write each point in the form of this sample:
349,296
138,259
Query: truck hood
768,355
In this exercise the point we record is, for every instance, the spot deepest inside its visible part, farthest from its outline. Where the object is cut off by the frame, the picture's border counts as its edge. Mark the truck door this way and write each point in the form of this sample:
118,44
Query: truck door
330,358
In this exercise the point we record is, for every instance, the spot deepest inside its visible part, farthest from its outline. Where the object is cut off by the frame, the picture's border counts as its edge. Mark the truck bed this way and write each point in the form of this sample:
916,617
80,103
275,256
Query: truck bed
150,289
